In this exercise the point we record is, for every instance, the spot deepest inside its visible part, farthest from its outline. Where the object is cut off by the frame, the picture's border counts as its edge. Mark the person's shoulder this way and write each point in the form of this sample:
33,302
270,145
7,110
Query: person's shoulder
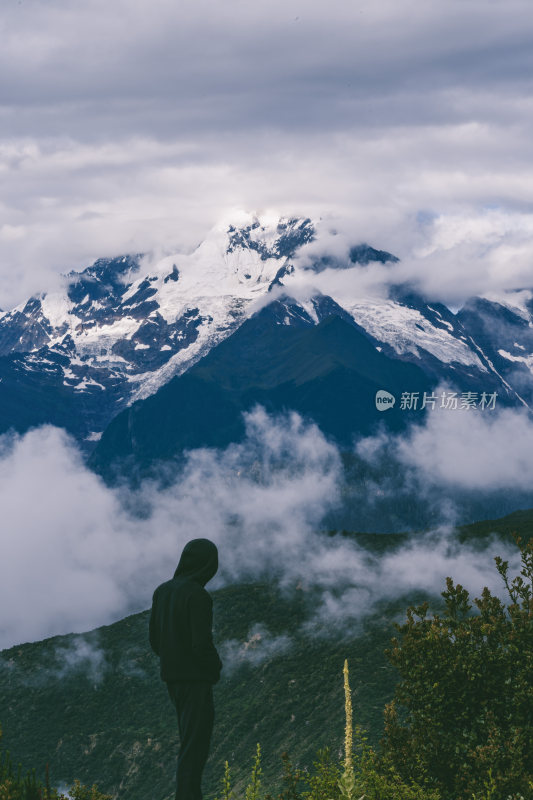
184,584
197,588
162,588
199,592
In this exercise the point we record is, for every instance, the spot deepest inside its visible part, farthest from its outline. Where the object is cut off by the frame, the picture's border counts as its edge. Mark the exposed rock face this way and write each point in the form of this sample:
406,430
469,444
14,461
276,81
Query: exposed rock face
124,327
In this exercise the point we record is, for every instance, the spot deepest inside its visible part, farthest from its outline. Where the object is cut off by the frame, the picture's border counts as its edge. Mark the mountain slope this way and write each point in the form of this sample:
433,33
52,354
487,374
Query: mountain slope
503,328
314,359
125,326
108,718
93,706
329,372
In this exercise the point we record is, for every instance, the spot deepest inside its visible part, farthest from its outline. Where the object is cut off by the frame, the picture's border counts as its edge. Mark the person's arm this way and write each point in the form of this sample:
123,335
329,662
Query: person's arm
201,620
153,628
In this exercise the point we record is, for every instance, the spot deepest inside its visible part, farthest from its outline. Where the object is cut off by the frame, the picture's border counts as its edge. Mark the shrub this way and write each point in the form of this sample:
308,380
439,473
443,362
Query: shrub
16,786
462,714
361,775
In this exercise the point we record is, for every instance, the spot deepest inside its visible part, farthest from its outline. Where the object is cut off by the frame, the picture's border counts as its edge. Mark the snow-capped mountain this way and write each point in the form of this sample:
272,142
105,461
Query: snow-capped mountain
129,319
123,327
502,326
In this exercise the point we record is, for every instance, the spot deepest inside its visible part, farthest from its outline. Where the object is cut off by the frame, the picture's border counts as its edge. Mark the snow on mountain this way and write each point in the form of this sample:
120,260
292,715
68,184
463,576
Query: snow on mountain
502,326
405,330
519,302
123,327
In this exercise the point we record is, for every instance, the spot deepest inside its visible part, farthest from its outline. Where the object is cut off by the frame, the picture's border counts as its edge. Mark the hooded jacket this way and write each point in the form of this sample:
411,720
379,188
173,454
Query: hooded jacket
181,619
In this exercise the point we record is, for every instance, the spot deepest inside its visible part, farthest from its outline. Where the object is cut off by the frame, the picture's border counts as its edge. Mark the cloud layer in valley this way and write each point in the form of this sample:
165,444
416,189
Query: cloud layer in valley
75,557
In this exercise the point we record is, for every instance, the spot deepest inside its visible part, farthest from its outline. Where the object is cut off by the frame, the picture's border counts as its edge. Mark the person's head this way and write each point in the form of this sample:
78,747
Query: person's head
199,561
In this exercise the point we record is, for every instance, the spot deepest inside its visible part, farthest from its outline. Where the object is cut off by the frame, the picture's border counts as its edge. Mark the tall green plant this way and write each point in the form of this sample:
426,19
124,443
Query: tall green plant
365,775
462,714
252,790
347,779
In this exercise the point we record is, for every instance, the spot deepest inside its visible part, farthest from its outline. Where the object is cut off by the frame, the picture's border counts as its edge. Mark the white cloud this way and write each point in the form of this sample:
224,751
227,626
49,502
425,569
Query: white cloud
258,646
80,655
360,582
472,253
63,536
468,449
132,126
74,556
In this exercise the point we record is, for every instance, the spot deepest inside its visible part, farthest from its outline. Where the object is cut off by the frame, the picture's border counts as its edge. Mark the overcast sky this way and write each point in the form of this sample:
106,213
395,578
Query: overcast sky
136,124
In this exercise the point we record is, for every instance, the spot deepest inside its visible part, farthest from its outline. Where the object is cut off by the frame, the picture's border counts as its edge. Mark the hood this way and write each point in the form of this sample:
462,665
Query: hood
199,561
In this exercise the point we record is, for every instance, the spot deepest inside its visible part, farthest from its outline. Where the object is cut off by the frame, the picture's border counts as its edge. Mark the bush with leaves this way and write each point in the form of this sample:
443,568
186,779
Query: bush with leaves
460,726
462,714
16,786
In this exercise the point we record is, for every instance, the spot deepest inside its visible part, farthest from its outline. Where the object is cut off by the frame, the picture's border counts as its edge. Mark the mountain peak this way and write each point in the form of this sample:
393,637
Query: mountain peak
360,254
270,237
364,254
124,326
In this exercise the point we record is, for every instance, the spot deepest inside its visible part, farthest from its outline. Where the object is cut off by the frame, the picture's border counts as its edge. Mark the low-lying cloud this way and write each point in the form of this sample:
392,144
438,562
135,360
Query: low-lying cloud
259,645
77,656
75,556
359,582
463,448
81,655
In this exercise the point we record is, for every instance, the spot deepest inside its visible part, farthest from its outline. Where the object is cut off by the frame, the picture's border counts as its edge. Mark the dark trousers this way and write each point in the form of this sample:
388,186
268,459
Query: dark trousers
193,701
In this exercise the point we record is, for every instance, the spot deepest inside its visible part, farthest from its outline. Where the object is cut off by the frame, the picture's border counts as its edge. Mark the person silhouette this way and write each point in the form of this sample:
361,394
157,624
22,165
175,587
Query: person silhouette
180,633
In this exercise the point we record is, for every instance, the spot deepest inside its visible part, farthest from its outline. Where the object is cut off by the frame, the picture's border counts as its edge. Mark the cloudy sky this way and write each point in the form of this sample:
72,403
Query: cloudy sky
136,124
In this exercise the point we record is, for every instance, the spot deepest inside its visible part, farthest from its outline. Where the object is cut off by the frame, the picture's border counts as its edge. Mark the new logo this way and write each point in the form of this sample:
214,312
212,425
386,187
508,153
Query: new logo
384,400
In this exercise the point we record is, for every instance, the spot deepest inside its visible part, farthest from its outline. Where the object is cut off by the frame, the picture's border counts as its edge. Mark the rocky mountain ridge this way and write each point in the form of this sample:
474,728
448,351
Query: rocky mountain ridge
124,327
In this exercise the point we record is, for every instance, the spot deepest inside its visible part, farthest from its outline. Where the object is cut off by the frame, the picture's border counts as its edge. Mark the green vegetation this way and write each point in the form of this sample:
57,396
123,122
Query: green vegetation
360,775
112,721
460,724
463,709
119,728
17,786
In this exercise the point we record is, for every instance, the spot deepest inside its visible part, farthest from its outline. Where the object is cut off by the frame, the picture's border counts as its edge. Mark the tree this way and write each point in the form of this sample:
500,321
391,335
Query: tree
462,714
